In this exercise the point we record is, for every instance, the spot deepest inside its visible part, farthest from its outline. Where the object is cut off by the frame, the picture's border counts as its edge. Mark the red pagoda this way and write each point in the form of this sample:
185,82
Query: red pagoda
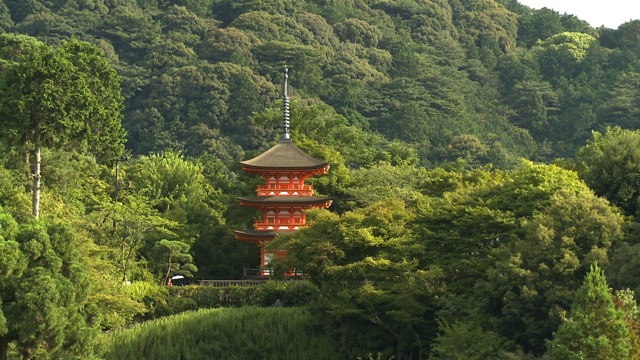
284,196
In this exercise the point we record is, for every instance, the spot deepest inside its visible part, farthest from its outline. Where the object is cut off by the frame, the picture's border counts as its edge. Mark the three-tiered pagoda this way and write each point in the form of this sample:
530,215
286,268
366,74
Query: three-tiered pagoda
284,196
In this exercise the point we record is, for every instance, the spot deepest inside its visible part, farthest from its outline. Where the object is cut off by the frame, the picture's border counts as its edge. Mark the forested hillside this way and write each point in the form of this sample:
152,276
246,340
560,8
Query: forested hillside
485,168
487,80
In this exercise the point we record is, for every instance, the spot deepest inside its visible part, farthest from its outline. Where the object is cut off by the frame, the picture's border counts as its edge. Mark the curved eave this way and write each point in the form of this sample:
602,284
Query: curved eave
258,236
315,170
283,200
265,234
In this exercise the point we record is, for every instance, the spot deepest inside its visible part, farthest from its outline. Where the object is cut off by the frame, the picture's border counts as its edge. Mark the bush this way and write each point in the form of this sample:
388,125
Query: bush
229,333
290,293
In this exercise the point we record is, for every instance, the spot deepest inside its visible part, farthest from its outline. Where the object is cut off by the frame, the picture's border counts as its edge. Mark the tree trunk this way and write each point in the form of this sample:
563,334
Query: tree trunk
166,277
27,160
36,172
4,347
125,265
125,261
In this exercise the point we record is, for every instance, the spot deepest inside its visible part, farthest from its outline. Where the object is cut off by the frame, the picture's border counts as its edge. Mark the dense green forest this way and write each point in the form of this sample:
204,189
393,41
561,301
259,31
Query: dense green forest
485,175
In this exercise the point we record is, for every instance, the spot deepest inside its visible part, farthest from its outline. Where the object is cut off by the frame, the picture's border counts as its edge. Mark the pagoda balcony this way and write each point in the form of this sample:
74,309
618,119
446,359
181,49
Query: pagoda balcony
276,227
282,225
293,190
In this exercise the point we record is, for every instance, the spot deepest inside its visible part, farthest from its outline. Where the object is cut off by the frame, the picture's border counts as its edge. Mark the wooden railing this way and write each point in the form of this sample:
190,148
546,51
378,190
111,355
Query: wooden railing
227,283
304,190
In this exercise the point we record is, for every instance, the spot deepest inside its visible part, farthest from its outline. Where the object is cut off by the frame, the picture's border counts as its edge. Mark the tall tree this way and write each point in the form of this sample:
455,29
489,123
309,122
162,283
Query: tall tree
69,96
595,328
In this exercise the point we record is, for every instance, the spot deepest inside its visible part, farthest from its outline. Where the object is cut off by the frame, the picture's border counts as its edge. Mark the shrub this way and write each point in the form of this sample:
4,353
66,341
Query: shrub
227,333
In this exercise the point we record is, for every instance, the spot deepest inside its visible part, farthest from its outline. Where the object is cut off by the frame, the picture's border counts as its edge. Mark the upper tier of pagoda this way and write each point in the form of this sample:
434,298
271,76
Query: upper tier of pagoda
285,168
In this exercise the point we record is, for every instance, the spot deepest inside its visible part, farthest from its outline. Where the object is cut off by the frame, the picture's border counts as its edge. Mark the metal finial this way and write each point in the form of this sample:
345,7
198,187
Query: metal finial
285,137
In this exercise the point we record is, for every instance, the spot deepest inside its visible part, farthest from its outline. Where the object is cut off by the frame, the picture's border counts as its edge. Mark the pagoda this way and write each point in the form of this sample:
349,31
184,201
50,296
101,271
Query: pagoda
284,197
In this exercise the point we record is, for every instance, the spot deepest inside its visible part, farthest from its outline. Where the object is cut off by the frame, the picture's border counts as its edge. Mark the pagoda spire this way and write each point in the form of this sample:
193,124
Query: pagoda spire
285,137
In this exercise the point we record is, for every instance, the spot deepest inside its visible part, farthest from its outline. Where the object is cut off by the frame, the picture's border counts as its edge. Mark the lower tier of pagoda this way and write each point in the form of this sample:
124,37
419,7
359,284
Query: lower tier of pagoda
279,215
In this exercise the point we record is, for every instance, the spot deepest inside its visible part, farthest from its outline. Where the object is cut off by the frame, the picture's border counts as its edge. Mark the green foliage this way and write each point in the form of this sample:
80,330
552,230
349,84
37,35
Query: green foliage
144,300
561,54
75,181
88,110
539,25
44,293
173,256
176,187
624,267
534,103
358,32
12,196
623,105
484,20
290,293
514,245
247,333
535,277
384,181
347,53
365,268
380,88
467,148
594,328
67,97
460,341
610,164
131,29
154,296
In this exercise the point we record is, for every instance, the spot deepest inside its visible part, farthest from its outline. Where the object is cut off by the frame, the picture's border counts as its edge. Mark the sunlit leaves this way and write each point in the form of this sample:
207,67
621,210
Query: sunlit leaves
44,305
594,328
610,164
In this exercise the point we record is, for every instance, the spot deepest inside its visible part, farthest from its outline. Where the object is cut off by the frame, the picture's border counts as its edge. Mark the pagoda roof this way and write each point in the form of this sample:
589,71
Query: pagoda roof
284,199
284,155
267,234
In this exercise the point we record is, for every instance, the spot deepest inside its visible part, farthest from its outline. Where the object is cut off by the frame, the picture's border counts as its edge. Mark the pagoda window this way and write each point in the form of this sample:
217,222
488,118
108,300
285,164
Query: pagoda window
271,217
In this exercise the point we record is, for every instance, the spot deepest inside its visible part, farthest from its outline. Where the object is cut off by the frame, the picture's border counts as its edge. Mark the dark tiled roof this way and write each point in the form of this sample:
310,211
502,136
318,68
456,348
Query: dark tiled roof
262,233
285,199
284,155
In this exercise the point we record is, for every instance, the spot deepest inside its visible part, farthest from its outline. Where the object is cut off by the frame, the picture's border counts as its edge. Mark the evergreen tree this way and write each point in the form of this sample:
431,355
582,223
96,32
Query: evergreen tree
67,97
594,329
44,288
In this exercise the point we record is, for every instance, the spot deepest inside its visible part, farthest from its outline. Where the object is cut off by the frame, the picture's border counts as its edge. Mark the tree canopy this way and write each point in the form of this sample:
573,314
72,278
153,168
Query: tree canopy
483,157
